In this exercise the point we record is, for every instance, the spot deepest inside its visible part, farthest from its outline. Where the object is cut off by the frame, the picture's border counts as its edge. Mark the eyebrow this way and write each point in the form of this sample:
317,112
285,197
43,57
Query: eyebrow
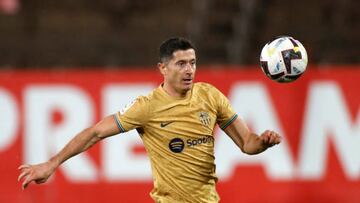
181,60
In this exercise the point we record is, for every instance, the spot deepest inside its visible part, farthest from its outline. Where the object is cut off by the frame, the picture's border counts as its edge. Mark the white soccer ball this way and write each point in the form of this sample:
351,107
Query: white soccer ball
283,59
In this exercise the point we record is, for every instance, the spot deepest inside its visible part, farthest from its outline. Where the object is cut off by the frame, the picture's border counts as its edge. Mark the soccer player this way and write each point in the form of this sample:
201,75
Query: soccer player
176,122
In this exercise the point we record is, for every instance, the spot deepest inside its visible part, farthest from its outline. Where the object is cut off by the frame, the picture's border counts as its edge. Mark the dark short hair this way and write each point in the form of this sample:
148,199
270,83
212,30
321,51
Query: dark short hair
171,45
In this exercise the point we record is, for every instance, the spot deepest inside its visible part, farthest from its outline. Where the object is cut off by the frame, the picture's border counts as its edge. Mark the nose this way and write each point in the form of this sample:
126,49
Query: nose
190,68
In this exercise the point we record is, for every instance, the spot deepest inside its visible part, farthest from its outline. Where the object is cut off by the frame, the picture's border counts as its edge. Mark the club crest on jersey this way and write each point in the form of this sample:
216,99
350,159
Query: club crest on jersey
204,118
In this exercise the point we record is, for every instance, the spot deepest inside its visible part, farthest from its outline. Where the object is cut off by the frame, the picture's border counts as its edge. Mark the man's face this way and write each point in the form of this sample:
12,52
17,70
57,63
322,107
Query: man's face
179,71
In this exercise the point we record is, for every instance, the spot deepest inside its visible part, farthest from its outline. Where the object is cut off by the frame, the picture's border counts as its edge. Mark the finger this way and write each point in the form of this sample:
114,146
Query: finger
24,186
267,132
272,138
265,138
278,139
24,166
26,182
271,141
23,174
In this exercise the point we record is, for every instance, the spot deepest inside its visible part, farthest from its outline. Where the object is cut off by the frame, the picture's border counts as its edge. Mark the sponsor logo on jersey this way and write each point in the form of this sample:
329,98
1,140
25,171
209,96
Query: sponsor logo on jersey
204,118
176,145
199,141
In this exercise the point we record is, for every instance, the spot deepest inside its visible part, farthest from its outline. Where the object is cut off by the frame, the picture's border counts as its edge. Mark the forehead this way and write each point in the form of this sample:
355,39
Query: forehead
187,55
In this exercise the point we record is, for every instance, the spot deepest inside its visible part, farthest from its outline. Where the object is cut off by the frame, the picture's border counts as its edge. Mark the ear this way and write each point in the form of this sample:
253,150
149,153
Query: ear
162,68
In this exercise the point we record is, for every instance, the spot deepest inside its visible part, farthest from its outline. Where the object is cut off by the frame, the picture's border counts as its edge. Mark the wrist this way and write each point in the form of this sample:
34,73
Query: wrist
54,163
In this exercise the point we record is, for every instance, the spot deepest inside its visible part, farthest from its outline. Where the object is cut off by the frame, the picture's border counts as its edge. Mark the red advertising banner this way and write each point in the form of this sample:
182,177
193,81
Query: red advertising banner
318,116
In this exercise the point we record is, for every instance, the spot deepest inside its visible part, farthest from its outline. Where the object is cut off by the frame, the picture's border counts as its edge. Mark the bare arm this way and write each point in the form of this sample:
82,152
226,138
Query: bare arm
249,142
81,142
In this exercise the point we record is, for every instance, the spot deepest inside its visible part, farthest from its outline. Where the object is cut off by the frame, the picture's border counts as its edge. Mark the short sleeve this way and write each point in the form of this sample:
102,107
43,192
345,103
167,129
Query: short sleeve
134,115
225,113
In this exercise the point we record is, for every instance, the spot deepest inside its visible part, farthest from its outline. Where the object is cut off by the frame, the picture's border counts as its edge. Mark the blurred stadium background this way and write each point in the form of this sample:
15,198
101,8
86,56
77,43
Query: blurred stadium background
65,64
110,33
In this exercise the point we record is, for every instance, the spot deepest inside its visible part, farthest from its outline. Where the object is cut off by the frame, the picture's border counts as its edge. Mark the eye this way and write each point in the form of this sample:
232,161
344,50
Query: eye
181,63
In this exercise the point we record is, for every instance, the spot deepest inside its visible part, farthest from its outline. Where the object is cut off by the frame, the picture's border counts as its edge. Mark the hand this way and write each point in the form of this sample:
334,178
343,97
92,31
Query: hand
38,173
270,138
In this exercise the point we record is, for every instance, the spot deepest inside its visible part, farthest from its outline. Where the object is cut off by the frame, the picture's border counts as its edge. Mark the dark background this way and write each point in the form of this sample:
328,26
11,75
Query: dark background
39,34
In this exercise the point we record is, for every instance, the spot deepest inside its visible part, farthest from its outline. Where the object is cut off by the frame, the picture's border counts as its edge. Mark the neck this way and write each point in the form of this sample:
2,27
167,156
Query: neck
172,91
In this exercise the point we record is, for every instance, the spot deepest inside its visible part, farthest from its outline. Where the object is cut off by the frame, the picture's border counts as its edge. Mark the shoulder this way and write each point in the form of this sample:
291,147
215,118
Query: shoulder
205,87
152,98
145,99
141,100
207,92
154,95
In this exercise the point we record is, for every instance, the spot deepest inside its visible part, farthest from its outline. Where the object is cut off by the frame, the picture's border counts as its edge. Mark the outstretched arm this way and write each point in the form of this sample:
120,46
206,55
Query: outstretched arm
39,173
249,142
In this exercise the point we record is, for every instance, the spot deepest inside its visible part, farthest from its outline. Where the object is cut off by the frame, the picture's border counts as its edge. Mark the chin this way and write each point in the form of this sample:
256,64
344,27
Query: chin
184,90
188,87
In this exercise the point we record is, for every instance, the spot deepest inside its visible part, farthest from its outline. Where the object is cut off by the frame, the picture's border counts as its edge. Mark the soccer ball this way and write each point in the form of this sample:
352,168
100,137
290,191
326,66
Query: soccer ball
283,59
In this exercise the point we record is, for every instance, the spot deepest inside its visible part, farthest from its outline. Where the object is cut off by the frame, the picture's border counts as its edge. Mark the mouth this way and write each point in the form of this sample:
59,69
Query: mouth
187,80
